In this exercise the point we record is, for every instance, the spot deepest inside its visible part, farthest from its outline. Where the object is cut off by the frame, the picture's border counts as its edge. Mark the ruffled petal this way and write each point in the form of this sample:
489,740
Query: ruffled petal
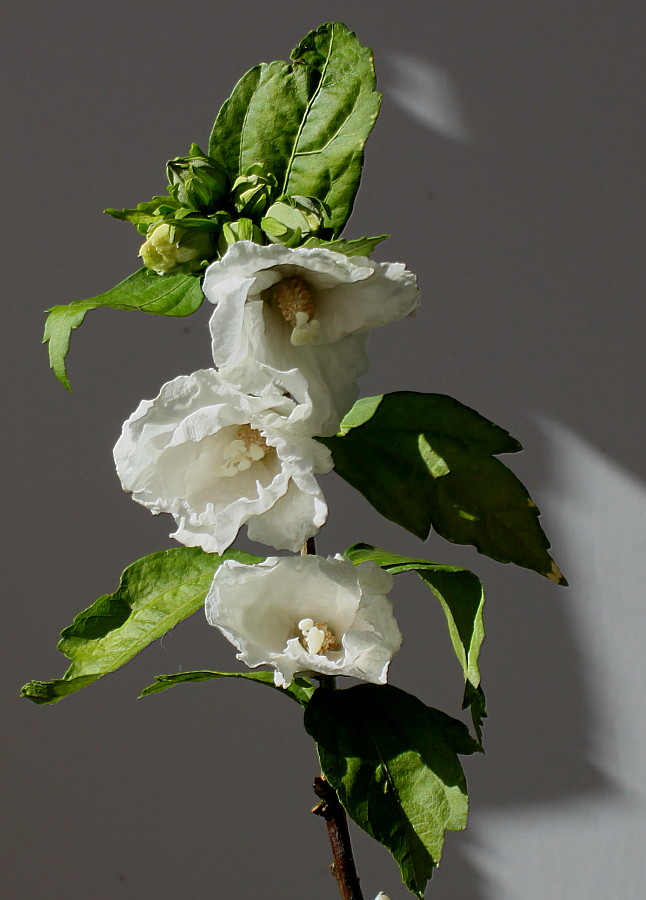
347,297
268,612
175,455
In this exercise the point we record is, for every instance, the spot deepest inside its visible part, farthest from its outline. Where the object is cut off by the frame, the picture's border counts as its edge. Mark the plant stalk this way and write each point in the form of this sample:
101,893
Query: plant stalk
329,808
343,868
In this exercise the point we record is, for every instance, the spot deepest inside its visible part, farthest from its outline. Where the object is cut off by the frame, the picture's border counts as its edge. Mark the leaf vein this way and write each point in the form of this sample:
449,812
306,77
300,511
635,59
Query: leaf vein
319,87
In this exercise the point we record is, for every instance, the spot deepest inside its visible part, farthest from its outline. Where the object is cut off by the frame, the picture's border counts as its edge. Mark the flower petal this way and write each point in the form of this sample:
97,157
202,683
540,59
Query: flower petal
182,454
268,610
345,297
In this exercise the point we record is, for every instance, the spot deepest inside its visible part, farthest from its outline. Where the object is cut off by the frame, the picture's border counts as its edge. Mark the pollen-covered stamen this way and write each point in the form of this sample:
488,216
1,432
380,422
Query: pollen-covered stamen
248,447
317,637
295,302
252,436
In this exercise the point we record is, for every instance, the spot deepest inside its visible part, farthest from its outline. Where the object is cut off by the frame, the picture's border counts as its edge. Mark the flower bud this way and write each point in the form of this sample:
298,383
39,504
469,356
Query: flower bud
240,230
292,219
253,192
169,249
197,181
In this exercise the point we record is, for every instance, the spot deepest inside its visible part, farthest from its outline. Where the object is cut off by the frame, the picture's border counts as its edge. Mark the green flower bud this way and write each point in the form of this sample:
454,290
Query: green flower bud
241,230
293,219
253,192
170,249
197,181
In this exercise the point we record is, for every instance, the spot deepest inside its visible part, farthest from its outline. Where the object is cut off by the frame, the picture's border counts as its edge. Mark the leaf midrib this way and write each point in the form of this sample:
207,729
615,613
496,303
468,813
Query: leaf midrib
406,825
307,112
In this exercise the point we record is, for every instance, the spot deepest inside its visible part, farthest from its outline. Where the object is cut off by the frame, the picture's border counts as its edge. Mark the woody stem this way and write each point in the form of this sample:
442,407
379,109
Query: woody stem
343,867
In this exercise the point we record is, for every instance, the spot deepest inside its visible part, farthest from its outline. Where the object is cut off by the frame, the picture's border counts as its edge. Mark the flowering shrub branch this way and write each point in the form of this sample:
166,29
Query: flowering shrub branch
253,225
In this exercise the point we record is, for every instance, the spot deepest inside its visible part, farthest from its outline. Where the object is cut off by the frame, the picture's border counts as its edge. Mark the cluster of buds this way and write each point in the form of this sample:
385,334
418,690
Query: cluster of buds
204,214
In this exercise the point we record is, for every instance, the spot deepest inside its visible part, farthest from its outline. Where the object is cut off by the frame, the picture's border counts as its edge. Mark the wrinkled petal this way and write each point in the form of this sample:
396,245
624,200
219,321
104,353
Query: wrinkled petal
349,296
267,609
175,455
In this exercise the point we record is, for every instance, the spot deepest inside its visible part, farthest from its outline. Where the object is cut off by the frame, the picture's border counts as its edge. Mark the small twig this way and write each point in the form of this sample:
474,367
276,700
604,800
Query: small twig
343,867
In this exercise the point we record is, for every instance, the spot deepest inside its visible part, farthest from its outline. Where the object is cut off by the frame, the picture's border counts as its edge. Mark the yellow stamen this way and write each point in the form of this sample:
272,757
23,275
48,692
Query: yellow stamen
248,447
252,436
293,296
295,302
317,637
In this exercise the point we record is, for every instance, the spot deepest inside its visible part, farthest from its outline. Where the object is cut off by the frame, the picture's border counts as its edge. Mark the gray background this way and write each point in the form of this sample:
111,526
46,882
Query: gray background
507,165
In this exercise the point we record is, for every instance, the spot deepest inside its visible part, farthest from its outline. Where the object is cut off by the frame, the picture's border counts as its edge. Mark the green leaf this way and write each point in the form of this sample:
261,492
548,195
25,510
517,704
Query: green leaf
145,213
427,460
299,690
358,247
393,762
461,597
475,701
160,295
155,593
306,121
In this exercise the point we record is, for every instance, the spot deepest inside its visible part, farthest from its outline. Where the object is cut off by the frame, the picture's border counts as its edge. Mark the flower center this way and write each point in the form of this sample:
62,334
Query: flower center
248,447
317,637
293,298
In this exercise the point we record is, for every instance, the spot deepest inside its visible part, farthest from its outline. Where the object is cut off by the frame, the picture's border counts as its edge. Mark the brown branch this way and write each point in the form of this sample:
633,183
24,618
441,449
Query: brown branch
329,808
343,867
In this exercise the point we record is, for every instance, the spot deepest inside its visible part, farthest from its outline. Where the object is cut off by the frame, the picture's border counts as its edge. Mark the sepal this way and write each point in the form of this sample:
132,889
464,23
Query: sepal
242,229
147,213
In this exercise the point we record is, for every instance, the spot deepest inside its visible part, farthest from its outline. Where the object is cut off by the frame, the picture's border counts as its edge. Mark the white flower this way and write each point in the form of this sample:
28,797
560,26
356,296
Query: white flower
307,614
216,458
305,309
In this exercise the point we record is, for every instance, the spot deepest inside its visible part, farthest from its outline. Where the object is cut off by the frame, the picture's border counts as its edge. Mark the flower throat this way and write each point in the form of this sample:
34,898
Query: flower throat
295,302
248,447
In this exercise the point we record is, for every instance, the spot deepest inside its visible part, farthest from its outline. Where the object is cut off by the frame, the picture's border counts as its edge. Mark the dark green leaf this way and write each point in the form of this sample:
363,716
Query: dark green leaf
393,762
160,295
474,700
426,460
461,597
155,593
358,247
306,121
299,690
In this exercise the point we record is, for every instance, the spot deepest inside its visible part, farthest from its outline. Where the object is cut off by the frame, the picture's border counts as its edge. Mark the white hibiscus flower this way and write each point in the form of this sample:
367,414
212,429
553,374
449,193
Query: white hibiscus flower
305,309
308,615
216,458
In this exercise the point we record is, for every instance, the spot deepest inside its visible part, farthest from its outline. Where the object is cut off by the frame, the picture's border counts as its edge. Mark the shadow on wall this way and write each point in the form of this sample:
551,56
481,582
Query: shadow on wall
583,738
562,777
